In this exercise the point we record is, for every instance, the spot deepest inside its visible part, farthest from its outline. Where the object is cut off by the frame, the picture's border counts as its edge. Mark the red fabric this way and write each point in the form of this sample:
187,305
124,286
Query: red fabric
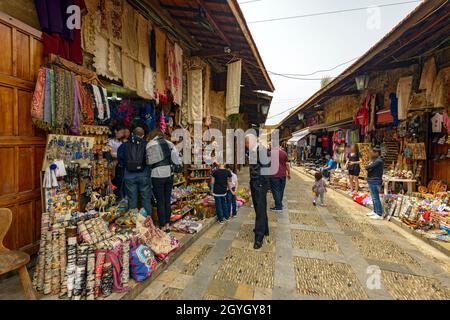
362,116
71,50
283,161
325,141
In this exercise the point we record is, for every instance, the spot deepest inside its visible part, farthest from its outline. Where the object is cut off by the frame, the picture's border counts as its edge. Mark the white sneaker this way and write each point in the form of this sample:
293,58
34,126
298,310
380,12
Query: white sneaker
370,214
376,217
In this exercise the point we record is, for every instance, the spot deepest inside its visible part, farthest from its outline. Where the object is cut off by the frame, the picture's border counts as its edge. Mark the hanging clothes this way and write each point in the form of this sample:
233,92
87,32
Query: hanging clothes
149,82
153,49
143,34
428,77
160,61
233,99
140,81
394,108
362,117
37,103
206,95
404,88
441,89
130,45
195,95
129,72
177,81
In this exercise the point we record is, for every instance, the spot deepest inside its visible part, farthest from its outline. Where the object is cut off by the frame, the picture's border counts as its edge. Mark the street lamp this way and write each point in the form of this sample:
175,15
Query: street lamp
265,109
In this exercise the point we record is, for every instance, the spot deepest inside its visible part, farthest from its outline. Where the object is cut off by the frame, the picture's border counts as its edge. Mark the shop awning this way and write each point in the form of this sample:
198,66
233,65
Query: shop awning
298,136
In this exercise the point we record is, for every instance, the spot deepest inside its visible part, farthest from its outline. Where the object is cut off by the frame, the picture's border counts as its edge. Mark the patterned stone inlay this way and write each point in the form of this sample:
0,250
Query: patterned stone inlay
409,287
310,219
214,298
248,267
315,241
272,217
325,279
219,232
384,250
170,294
246,234
193,266
349,224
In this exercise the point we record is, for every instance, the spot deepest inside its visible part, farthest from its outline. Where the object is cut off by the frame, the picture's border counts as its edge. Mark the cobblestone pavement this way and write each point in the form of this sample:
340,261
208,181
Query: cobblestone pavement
311,253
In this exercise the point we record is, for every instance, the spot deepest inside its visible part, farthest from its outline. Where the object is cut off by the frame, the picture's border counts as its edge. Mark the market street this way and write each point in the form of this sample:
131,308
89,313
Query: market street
311,253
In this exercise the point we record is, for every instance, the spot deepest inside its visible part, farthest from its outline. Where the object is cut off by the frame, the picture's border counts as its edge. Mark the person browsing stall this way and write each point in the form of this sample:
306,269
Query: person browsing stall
221,183
162,156
231,194
132,156
329,165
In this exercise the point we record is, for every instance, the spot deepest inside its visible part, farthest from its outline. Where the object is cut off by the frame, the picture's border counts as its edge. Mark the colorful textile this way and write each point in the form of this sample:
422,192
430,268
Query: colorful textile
37,103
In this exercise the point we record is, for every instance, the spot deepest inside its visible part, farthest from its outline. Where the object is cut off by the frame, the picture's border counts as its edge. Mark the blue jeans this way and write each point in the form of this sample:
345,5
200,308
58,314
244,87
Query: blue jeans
222,208
162,188
139,186
277,185
231,203
375,194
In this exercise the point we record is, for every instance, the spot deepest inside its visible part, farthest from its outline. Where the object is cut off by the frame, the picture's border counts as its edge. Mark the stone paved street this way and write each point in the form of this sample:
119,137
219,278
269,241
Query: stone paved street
311,253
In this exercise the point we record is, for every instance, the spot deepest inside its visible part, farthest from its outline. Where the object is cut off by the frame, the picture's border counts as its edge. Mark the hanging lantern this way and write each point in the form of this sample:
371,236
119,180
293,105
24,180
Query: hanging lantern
362,82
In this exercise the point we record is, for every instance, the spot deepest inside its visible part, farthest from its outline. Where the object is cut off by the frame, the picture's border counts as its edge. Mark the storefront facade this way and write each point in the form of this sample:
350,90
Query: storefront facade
208,48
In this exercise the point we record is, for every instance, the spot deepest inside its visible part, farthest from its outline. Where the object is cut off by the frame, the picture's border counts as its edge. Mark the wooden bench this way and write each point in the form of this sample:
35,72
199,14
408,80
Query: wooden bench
14,260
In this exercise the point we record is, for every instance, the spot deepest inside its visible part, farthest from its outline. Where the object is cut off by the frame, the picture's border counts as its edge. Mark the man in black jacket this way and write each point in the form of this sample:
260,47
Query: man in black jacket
259,162
375,179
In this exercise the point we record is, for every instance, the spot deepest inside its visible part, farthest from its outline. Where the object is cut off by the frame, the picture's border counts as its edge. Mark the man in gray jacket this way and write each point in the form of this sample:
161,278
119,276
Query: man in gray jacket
161,156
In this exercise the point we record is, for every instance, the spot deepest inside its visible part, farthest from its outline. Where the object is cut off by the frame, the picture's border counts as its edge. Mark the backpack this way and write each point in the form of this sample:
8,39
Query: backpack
167,154
135,155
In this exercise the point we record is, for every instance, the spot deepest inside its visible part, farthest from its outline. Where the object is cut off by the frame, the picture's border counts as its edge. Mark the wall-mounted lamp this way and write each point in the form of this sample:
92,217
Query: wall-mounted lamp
301,116
265,109
362,82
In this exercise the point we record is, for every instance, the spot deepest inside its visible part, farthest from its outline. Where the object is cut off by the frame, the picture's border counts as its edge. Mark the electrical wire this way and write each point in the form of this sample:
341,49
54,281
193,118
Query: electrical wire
332,12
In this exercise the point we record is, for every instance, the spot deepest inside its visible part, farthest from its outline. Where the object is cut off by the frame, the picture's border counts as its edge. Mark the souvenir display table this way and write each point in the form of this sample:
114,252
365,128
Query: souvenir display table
411,184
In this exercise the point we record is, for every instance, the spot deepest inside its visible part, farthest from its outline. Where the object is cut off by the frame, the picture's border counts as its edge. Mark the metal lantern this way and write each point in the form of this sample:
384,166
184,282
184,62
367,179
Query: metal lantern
362,82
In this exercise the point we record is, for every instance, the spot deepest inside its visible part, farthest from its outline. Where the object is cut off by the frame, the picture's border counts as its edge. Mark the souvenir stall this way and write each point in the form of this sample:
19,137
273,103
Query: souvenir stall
92,245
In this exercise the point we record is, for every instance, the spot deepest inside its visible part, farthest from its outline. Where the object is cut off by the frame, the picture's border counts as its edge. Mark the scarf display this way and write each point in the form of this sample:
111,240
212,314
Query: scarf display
62,102
234,75
207,97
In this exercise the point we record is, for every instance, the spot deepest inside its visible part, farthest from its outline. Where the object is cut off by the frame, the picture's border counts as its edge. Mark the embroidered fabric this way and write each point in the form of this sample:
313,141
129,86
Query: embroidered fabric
177,80
441,92
195,95
207,97
140,90
129,29
129,72
115,11
101,58
37,103
115,60
160,44
428,77
404,93
149,82
233,87
143,34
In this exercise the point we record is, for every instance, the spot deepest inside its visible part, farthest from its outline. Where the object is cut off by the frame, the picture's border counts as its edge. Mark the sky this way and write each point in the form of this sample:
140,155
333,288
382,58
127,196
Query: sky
303,46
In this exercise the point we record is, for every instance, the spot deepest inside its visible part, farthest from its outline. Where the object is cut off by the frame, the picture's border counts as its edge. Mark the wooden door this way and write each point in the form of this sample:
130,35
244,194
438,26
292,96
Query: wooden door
22,146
